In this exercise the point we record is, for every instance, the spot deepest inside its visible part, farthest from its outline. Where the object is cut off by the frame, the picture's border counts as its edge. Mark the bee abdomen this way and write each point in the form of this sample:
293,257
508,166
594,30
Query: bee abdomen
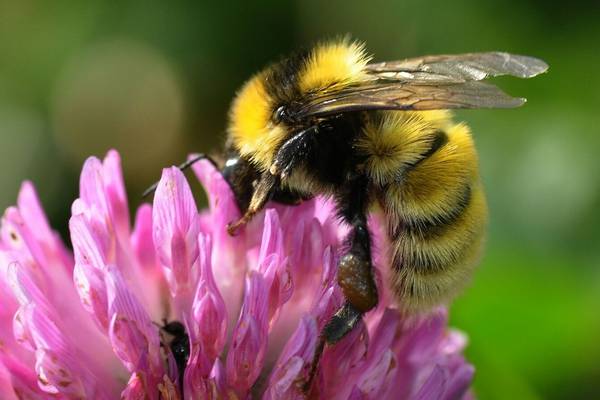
431,246
436,223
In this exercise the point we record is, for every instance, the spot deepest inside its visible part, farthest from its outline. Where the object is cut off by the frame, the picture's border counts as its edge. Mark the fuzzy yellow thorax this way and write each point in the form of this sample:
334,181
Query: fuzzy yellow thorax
333,64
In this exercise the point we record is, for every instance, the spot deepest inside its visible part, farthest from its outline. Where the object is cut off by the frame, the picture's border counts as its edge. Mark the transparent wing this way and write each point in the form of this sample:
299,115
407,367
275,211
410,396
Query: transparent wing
465,67
429,83
411,96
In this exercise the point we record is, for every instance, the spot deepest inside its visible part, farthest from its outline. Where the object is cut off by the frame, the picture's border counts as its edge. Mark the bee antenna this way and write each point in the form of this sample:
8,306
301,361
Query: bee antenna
157,324
182,167
161,327
150,190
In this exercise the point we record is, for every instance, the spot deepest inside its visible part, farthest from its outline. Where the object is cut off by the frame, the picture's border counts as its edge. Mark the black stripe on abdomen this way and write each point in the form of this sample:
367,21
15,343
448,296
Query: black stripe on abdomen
429,246
435,224
440,138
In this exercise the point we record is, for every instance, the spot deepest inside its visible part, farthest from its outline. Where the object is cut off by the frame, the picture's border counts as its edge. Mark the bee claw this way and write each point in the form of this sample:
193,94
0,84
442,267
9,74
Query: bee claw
233,227
305,384
282,173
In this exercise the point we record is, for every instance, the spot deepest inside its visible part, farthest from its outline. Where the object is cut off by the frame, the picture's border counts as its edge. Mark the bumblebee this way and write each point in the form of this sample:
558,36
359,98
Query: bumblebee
328,121
178,345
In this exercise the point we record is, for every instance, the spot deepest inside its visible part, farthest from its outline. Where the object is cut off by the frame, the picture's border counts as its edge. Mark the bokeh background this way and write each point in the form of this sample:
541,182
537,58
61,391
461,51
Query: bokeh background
154,80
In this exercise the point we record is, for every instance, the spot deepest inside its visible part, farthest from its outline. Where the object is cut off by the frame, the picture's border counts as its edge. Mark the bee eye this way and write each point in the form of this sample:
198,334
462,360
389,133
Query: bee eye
280,114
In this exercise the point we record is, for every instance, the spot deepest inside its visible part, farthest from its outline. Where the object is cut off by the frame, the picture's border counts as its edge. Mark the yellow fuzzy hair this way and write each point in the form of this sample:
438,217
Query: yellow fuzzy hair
329,66
433,187
334,64
397,140
250,123
420,292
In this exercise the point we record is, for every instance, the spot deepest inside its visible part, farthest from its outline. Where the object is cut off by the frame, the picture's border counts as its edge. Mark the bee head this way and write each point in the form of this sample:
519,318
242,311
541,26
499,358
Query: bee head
257,122
265,112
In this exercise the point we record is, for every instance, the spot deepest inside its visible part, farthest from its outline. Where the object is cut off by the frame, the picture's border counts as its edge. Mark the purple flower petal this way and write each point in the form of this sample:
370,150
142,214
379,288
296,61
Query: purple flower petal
223,208
459,382
90,243
285,380
435,385
133,336
208,309
151,277
421,338
88,274
46,246
176,227
454,343
91,288
55,376
342,363
102,234
272,237
114,189
60,365
380,364
374,380
230,253
328,297
274,266
23,379
135,389
270,291
103,192
21,327
249,342
142,240
168,390
203,388
24,287
294,362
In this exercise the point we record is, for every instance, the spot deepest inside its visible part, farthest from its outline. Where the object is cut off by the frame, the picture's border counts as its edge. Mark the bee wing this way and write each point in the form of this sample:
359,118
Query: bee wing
415,95
460,67
429,83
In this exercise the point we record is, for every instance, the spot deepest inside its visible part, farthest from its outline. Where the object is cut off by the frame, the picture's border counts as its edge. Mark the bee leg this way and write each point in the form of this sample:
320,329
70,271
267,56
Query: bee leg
262,193
290,155
294,152
354,274
342,323
241,177
355,277
289,197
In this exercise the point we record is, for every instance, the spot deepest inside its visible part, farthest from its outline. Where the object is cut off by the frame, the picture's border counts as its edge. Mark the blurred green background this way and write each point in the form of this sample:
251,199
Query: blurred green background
154,80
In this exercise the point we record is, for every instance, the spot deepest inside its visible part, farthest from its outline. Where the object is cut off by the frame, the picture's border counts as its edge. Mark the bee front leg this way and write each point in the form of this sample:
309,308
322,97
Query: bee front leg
290,155
294,152
262,193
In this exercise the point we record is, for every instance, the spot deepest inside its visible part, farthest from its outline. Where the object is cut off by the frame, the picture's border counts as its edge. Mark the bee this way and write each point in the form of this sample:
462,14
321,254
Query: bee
329,121
179,346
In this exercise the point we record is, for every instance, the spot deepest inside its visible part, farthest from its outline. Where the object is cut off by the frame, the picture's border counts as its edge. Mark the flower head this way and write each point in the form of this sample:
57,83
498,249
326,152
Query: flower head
89,324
